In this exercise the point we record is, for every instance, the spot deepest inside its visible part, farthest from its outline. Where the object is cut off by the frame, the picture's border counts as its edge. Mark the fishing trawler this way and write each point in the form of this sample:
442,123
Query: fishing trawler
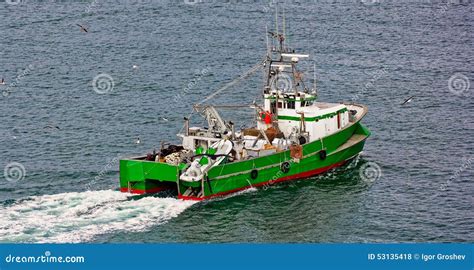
293,136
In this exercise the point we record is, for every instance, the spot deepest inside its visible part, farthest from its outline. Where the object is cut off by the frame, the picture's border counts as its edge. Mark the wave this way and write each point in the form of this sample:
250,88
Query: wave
79,216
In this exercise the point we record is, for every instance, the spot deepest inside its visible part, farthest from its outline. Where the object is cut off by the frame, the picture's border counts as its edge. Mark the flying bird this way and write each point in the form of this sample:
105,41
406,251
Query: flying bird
408,100
165,119
51,127
273,34
83,29
277,35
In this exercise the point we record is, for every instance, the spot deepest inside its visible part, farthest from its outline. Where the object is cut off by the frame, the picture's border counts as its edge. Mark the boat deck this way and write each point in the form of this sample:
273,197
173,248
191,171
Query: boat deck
360,109
355,139
326,105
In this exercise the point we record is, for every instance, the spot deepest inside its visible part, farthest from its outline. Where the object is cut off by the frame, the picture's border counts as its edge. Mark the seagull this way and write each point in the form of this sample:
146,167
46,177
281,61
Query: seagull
408,100
277,35
164,119
83,29
273,34
3,81
51,127
135,67
138,140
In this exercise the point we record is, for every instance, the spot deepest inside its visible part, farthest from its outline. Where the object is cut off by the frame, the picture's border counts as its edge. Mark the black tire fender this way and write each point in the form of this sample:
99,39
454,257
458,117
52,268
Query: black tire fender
302,140
285,167
322,154
254,174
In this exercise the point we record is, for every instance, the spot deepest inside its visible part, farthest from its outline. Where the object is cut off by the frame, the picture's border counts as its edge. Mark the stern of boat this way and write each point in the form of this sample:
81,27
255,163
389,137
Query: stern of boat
139,176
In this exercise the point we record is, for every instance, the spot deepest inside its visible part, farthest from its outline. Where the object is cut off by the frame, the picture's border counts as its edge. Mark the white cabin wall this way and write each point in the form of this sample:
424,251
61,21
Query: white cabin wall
316,130
266,104
188,143
286,126
345,118
332,124
327,126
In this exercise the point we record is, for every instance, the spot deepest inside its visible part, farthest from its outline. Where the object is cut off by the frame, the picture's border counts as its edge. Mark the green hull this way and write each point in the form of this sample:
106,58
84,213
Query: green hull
139,176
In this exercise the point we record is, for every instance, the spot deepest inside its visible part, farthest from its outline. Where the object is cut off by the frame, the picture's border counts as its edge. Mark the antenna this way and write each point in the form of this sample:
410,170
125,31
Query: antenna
287,39
314,79
266,35
268,57
276,18
284,24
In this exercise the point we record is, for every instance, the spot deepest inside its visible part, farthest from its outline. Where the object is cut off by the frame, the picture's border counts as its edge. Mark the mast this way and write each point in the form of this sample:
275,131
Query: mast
276,18
284,27
282,66
268,44
314,80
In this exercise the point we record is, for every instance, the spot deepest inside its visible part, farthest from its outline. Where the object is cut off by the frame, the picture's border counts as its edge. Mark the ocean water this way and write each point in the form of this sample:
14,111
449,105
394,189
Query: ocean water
61,138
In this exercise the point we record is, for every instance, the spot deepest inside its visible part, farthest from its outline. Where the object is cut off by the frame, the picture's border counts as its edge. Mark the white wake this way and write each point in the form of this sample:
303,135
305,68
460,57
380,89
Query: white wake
79,216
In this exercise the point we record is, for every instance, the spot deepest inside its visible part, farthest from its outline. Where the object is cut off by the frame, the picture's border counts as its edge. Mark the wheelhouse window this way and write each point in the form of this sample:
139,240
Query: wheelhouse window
273,107
290,104
306,103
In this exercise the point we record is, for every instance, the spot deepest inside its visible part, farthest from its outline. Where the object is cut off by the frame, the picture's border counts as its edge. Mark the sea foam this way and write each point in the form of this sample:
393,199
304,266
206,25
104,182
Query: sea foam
79,216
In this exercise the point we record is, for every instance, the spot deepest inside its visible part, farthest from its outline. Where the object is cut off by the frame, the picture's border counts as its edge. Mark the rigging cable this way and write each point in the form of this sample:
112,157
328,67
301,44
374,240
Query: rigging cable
228,85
